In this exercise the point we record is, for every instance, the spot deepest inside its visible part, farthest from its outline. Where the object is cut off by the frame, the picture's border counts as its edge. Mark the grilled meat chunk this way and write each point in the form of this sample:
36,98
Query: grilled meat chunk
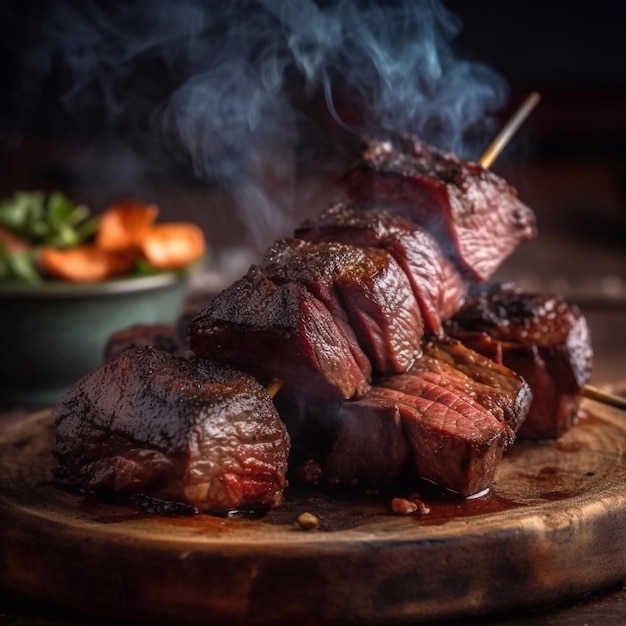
369,446
187,431
541,337
503,392
475,215
455,443
284,263
437,285
278,331
161,336
364,289
453,404
358,442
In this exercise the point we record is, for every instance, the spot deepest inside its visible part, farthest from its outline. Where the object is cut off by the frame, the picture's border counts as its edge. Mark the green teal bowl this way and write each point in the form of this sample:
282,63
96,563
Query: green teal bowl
52,335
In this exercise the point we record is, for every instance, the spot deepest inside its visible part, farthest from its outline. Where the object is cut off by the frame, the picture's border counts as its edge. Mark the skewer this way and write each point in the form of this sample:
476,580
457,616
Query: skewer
486,159
274,387
509,129
605,397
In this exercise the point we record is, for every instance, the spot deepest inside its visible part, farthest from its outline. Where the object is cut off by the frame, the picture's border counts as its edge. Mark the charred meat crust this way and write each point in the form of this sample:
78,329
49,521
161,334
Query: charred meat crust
543,338
182,430
365,290
437,285
473,213
278,331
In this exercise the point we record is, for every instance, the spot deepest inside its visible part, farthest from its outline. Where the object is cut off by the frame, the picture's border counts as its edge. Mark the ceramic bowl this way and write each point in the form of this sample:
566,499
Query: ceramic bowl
53,334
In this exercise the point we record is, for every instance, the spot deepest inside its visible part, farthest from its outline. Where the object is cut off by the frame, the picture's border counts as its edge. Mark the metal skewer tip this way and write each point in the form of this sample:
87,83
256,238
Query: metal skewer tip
509,129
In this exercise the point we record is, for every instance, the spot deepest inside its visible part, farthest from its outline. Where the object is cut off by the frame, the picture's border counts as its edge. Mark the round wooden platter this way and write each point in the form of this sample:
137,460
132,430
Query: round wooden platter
553,527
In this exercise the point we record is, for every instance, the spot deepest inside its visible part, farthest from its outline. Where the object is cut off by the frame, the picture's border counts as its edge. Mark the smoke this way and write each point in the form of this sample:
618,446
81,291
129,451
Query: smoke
229,85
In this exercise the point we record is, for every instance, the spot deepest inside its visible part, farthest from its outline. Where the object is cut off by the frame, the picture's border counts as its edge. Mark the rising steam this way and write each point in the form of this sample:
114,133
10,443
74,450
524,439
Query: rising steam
227,82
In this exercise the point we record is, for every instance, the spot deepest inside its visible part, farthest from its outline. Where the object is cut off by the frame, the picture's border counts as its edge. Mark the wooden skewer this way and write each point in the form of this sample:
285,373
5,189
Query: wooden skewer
509,129
487,158
274,387
605,397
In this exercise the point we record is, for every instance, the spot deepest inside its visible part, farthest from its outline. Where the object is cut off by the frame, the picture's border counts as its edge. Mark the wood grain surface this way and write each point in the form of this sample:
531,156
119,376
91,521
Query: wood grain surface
553,528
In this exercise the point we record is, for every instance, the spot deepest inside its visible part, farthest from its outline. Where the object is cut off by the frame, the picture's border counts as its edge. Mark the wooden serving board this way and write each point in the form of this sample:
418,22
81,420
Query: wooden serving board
553,527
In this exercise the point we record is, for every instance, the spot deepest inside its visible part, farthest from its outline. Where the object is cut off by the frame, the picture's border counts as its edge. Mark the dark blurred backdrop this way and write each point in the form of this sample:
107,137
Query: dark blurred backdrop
573,55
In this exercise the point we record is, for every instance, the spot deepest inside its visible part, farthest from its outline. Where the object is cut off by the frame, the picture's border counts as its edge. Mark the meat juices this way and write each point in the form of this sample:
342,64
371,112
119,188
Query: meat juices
180,430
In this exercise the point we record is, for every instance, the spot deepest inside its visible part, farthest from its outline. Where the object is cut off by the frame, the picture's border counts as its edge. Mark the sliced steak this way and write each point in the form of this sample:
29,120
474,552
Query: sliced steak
423,384
187,431
409,428
364,289
455,444
475,215
278,331
437,285
541,337
496,387
286,261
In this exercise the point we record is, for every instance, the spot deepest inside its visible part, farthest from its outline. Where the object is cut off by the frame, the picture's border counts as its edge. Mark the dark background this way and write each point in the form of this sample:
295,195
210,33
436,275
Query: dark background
574,56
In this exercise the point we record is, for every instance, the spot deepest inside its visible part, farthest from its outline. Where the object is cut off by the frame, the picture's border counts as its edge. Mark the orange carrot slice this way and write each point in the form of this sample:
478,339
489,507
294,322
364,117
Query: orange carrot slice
122,224
172,245
83,264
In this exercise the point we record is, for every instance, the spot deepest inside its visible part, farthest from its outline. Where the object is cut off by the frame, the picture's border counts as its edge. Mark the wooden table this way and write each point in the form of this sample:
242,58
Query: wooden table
605,608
